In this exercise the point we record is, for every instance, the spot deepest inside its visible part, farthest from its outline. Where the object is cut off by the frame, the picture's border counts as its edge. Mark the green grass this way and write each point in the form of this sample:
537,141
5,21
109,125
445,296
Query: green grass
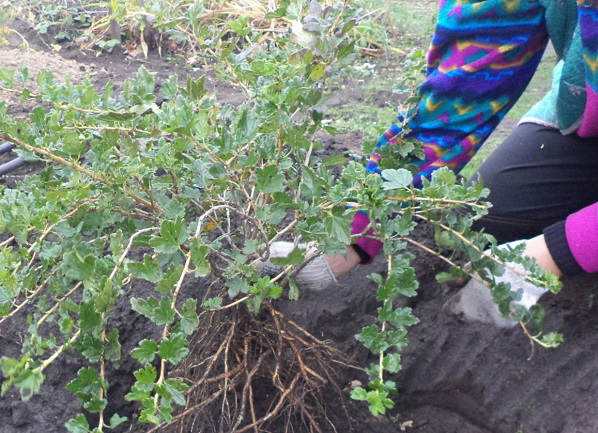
400,26
362,107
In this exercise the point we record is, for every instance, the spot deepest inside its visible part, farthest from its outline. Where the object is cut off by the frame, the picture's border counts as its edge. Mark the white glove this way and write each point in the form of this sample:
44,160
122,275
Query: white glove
475,304
314,276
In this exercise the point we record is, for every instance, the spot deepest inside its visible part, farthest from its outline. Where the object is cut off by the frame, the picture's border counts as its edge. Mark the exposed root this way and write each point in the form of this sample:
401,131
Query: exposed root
256,374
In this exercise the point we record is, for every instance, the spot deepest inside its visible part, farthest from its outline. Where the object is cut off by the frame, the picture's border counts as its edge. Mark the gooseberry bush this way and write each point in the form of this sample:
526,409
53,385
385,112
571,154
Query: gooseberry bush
170,185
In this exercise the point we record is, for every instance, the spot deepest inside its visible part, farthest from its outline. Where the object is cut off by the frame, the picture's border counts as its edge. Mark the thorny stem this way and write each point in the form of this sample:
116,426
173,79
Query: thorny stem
441,257
482,252
60,301
381,367
56,354
179,284
103,316
531,340
74,166
339,16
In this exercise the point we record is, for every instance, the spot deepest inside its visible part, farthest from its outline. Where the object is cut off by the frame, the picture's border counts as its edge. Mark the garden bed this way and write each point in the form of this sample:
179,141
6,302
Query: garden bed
456,377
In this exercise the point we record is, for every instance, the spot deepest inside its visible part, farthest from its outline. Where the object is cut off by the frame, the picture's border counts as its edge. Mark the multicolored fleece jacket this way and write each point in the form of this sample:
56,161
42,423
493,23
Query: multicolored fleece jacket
482,57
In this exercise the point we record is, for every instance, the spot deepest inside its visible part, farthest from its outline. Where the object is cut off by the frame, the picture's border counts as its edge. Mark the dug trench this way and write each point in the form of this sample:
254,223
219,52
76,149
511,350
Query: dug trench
456,377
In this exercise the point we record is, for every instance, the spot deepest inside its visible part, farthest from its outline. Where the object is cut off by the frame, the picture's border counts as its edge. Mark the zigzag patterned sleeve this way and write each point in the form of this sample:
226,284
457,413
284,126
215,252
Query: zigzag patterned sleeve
588,21
483,55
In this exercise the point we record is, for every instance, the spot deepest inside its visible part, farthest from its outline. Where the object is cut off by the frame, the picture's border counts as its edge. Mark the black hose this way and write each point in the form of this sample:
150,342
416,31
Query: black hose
6,147
11,165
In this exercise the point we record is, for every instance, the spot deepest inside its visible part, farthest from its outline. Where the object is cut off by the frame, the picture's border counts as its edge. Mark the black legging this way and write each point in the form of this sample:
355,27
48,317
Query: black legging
537,177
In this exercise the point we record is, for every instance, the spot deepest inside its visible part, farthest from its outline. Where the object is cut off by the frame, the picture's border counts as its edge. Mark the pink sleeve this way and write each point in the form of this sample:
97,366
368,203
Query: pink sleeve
581,229
369,246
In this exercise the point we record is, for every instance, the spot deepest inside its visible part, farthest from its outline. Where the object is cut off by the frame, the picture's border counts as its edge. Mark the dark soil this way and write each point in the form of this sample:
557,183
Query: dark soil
457,377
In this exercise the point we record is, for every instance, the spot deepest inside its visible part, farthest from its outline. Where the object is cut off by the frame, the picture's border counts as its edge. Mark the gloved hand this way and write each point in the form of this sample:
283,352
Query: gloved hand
315,276
474,301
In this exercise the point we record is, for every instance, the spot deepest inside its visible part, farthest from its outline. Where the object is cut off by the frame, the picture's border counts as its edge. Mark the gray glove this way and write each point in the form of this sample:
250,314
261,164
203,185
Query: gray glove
475,304
314,276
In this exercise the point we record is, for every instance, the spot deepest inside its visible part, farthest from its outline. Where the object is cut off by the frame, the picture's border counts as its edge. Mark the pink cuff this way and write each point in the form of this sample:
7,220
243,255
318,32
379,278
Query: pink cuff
581,229
369,246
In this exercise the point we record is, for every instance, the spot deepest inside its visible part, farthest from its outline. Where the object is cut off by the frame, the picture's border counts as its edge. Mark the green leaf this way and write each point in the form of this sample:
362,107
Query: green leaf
294,258
236,285
199,254
373,339
170,88
160,313
139,393
7,77
359,394
146,351
171,278
87,387
148,270
338,228
172,234
29,383
245,128
337,159
196,88
396,179
147,375
113,351
392,362
215,302
90,320
293,290
552,339
173,349
78,268
73,144
189,318
268,179
78,425
5,297
116,420
399,317
317,72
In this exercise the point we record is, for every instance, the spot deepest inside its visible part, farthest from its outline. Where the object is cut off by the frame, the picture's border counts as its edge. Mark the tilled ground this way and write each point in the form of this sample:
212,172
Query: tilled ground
457,377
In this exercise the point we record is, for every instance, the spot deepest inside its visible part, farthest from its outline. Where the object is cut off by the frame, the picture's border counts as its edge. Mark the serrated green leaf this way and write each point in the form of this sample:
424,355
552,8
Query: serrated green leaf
215,302
199,253
359,394
269,180
337,159
79,268
147,375
189,318
294,258
338,228
145,352
90,320
161,313
78,425
148,270
396,179
392,362
237,285
293,290
173,349
116,420
172,234
170,279
113,351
